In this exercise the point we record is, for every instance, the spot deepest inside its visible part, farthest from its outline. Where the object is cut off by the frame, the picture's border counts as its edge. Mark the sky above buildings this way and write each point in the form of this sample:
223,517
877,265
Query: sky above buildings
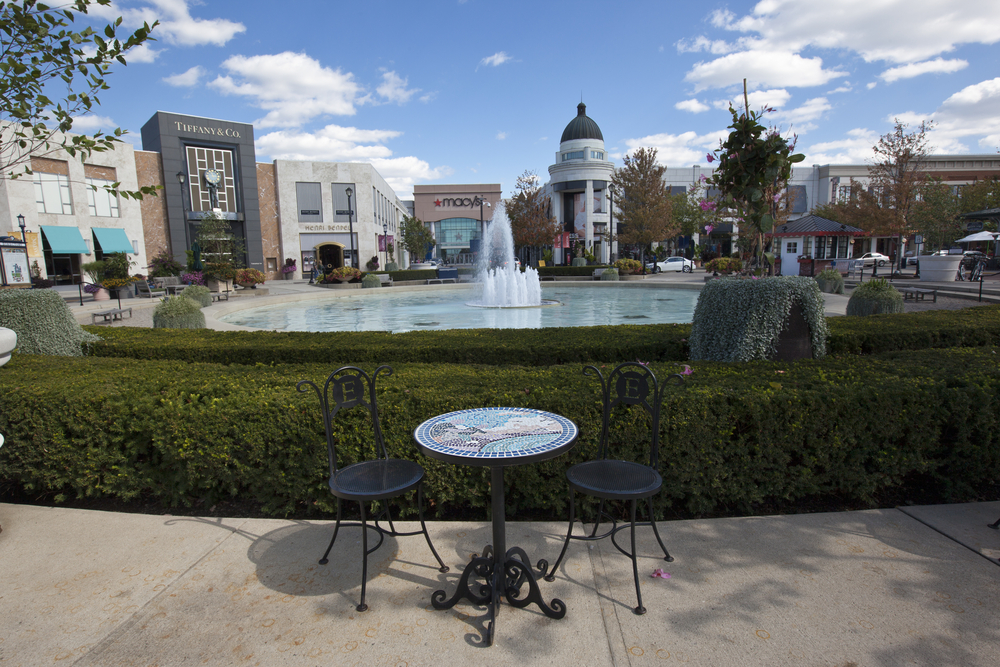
478,91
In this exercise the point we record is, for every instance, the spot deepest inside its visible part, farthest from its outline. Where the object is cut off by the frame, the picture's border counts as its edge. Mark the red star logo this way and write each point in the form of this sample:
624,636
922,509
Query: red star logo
437,202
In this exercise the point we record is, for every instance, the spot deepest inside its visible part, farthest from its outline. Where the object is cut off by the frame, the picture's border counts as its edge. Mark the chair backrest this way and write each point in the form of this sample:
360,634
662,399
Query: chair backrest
348,387
142,287
632,383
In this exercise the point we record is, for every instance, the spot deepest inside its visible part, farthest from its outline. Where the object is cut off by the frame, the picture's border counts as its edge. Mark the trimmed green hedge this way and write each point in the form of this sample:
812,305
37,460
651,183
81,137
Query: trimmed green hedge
570,270
735,435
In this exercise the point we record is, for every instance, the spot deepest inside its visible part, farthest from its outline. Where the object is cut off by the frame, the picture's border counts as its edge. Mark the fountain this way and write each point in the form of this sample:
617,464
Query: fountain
503,284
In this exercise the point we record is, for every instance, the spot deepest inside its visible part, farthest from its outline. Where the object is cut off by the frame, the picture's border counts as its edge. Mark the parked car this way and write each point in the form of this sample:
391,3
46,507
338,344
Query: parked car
671,264
870,258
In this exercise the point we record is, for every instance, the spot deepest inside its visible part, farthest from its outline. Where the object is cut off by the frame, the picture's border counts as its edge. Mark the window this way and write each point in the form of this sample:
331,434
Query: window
596,155
341,211
575,155
792,248
844,193
52,193
100,202
309,202
200,160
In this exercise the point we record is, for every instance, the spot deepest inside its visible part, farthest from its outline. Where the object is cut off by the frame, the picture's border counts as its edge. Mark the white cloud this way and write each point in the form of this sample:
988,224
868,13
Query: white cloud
871,85
394,90
899,31
758,99
497,59
812,109
841,89
177,26
292,87
968,114
694,106
501,136
335,143
936,66
428,97
701,43
761,68
186,79
141,54
855,149
678,150
89,124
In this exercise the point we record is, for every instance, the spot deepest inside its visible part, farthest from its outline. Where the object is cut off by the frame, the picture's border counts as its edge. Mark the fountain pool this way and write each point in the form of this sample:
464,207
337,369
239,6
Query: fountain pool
444,307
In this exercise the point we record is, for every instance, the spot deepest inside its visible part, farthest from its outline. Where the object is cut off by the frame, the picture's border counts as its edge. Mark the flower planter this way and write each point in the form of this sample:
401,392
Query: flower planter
8,341
248,285
939,268
219,285
101,295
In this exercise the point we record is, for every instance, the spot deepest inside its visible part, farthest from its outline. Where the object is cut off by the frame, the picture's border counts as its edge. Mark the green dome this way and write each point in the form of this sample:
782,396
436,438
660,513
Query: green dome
581,127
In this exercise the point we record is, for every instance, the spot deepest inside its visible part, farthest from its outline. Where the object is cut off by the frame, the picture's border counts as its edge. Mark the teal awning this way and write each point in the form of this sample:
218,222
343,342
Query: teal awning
113,240
65,240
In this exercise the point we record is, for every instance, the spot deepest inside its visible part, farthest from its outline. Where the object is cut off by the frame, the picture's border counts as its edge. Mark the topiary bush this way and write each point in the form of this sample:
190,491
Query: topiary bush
43,323
178,313
740,320
199,294
830,281
370,280
609,274
875,297
579,261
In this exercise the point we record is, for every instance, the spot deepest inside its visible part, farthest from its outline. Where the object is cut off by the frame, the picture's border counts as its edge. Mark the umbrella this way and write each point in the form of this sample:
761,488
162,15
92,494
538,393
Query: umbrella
196,251
978,236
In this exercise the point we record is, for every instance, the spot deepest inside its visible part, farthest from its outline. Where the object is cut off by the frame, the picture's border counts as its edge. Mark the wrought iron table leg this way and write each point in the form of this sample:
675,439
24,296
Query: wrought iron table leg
995,525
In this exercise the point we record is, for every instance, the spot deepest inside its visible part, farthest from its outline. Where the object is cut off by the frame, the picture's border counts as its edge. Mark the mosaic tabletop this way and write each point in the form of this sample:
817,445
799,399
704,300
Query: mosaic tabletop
495,436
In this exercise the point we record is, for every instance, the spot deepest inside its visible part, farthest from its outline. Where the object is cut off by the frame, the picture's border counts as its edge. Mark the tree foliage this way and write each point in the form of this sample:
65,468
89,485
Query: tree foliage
643,203
980,195
531,222
935,215
41,52
897,177
755,164
416,237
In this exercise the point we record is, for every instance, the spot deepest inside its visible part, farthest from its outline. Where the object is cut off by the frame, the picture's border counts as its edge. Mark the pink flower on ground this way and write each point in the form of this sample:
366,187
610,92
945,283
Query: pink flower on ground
687,370
642,363
660,573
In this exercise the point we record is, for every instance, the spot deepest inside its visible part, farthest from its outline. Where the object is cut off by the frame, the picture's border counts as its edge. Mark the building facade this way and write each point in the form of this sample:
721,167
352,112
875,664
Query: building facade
457,216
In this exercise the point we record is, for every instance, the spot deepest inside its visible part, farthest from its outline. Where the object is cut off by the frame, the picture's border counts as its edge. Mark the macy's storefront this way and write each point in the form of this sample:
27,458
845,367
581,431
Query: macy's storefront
456,215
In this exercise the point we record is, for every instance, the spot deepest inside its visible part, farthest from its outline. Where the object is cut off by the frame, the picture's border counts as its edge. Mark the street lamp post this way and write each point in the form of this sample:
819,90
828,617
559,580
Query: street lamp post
385,243
611,219
350,221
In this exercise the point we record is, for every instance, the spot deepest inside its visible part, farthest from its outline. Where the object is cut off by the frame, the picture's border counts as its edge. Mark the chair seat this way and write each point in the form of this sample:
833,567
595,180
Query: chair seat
375,480
614,479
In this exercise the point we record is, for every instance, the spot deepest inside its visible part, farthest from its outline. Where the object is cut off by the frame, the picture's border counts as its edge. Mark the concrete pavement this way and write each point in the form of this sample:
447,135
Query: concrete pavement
878,587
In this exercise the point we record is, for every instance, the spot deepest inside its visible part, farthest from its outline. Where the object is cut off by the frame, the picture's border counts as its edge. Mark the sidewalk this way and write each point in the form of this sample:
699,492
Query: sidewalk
879,587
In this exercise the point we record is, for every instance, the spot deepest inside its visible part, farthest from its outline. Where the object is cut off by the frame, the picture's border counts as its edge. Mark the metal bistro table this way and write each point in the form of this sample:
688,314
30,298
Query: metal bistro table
497,437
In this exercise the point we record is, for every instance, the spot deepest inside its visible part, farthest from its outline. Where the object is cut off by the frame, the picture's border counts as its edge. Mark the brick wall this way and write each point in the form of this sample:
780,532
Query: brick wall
149,171
270,224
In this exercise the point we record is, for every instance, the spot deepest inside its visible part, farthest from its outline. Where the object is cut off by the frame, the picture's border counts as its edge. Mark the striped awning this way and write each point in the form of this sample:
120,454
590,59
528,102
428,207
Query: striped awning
113,240
64,240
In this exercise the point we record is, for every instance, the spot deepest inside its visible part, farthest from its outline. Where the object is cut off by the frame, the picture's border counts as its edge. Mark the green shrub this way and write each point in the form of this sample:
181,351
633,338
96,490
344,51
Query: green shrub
734,436
609,274
370,281
830,281
43,322
420,274
628,266
568,270
740,320
724,265
178,313
391,266
199,294
579,261
875,297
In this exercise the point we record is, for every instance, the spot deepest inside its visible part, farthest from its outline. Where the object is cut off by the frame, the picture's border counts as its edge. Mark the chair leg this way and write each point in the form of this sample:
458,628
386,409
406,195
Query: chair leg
364,558
652,521
336,529
995,525
635,568
423,527
597,522
569,534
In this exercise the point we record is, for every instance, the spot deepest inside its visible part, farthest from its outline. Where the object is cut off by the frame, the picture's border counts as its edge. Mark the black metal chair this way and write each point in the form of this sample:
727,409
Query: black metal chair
630,384
381,478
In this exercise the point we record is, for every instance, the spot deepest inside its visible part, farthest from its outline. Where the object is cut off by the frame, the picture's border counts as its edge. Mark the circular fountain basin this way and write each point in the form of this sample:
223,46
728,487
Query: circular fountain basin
434,308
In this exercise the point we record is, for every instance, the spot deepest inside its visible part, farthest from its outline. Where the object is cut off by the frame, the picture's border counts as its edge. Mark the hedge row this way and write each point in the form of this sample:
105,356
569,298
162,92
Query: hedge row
969,327
735,435
570,270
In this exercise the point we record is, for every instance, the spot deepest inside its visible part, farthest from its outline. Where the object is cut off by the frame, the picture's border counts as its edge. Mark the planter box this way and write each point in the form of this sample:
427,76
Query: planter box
219,285
939,268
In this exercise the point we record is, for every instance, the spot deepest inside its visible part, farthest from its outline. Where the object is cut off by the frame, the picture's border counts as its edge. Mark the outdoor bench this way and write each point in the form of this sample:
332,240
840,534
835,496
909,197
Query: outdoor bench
917,293
110,315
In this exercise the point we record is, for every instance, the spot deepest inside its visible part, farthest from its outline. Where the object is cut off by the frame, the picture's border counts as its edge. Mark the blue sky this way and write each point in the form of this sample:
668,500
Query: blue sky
477,91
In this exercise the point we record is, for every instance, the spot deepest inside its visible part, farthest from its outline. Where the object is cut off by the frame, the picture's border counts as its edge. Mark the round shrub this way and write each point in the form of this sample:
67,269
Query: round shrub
178,313
741,319
370,280
875,297
628,266
43,322
579,261
609,274
724,265
199,294
830,281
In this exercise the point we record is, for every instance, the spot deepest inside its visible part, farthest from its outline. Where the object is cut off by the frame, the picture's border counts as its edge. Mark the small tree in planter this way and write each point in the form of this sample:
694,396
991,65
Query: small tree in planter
391,264
830,281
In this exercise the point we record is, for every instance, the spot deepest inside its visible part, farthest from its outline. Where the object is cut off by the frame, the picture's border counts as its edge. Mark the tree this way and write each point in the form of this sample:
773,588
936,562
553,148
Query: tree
754,167
897,176
416,237
935,215
980,195
40,52
528,211
643,201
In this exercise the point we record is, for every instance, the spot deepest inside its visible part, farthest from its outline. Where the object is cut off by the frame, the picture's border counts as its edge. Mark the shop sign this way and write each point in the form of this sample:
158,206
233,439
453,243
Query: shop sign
214,131
318,227
458,202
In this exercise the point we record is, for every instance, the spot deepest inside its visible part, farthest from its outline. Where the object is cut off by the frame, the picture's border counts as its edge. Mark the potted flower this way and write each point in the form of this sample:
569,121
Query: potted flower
249,278
96,271
343,274
288,270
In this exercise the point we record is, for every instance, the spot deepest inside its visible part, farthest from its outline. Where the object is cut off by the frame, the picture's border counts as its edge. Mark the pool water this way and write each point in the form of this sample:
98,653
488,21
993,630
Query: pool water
386,310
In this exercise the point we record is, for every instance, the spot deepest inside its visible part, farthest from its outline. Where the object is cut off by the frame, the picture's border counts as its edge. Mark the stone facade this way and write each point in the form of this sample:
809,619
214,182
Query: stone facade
270,222
156,232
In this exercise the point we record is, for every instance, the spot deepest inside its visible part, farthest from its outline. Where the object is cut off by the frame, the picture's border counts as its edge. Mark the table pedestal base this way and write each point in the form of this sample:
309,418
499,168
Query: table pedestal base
505,581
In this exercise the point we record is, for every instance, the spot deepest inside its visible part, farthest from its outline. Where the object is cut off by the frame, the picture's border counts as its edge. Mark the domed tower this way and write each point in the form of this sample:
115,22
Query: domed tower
578,186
